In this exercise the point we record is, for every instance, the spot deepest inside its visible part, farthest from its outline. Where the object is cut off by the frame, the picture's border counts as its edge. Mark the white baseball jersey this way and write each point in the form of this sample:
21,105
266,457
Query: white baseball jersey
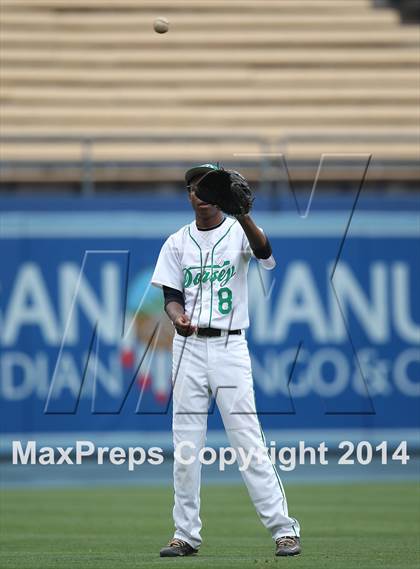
210,267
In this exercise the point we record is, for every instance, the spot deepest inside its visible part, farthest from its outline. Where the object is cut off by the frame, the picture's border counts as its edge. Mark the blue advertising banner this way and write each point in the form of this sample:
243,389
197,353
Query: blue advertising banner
334,334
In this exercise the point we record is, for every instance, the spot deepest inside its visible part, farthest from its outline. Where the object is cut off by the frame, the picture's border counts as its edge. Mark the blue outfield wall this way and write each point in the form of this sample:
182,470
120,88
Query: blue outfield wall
334,334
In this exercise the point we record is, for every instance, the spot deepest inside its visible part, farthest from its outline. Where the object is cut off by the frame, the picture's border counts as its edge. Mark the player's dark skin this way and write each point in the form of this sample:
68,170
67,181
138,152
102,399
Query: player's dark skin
206,217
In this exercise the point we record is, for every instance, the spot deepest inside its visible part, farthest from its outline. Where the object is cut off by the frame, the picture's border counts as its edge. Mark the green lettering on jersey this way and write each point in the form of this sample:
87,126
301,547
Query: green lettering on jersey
221,273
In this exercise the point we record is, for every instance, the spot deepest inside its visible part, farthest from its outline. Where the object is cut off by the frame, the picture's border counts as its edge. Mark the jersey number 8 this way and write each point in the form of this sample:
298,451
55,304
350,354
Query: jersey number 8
225,300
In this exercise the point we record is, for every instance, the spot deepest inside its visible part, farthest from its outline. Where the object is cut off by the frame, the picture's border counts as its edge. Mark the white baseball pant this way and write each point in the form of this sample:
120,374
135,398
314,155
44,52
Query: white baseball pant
220,366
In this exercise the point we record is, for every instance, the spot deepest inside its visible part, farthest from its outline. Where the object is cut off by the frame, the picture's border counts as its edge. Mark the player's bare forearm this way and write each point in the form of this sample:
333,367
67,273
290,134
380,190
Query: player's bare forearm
180,320
256,237
174,310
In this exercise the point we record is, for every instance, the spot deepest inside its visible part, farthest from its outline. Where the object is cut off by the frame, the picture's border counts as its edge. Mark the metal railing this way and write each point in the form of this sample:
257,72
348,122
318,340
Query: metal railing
88,165
265,161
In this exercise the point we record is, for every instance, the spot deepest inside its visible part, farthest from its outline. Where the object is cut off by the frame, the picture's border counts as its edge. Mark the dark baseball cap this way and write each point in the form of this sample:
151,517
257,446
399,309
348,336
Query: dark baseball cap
200,171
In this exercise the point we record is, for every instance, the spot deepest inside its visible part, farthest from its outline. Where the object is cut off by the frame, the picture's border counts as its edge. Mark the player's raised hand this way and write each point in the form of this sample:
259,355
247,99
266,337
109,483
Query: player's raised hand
183,325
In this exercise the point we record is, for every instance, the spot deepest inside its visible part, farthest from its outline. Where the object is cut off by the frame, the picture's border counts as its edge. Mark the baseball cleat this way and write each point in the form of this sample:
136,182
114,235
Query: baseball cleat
287,545
177,548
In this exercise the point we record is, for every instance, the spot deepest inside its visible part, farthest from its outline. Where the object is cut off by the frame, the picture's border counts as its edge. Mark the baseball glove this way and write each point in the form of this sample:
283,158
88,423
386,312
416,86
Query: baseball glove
226,189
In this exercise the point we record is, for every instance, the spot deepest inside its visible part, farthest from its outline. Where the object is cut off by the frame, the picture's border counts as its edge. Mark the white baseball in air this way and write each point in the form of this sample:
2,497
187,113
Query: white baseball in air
161,25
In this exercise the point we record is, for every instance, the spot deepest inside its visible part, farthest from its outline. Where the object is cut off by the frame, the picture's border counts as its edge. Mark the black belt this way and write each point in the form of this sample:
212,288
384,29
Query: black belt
214,332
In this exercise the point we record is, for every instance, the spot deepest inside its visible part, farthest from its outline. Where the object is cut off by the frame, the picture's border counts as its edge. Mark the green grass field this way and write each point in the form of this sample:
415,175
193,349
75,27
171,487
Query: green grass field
343,526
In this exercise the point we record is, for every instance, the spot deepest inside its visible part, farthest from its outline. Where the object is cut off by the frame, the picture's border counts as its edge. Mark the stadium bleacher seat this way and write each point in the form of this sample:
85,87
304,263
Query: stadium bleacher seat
282,71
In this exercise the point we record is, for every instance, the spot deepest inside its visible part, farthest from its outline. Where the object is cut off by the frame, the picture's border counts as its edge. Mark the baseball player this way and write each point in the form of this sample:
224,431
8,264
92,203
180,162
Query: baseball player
202,269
